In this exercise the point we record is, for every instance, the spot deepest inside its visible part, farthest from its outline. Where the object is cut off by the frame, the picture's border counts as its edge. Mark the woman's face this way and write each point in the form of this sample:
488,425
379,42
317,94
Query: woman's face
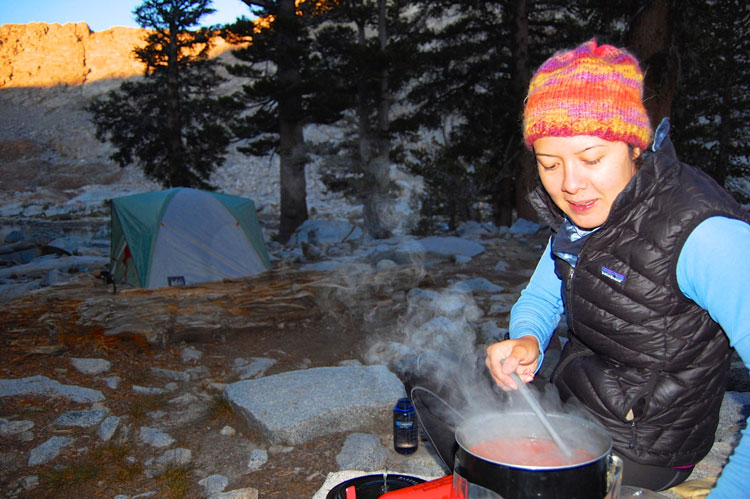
584,174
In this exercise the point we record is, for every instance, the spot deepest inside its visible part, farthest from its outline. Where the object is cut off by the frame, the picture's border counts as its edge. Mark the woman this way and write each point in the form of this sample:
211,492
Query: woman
648,260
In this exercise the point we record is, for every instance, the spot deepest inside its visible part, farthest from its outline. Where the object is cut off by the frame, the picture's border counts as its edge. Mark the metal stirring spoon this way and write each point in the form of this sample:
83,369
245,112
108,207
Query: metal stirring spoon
537,408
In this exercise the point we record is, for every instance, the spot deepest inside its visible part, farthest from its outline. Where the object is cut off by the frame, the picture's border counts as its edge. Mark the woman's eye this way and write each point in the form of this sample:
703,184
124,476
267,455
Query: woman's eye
591,162
547,167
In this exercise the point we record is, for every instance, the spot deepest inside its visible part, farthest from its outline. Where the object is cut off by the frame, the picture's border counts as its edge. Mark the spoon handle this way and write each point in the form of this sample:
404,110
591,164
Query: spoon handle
537,408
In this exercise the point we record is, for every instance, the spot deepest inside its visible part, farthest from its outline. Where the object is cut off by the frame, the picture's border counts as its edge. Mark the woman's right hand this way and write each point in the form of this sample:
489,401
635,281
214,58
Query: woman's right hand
519,355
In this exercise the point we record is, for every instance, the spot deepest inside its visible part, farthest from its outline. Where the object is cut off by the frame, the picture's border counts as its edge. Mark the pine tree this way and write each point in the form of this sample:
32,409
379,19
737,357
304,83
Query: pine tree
170,123
282,94
368,44
711,114
469,96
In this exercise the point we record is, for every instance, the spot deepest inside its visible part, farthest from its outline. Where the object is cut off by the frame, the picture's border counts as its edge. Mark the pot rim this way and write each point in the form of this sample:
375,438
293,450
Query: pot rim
602,433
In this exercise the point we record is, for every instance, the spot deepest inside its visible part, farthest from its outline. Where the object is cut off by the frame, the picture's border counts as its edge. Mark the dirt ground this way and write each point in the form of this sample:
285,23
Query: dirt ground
41,333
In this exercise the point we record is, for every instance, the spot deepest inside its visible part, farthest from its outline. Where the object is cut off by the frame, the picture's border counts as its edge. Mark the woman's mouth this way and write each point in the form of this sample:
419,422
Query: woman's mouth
581,206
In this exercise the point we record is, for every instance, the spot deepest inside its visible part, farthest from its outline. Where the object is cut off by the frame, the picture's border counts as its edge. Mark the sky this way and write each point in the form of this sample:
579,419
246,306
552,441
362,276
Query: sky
100,14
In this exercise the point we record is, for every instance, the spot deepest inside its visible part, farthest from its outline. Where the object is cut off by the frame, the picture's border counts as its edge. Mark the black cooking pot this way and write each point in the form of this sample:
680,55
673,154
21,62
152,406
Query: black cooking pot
580,480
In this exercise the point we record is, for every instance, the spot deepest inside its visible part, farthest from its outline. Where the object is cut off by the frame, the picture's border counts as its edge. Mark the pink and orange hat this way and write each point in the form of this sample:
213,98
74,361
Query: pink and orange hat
590,90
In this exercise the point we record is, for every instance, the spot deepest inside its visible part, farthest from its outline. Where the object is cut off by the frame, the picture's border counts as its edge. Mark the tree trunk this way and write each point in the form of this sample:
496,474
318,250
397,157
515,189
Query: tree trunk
721,170
523,165
377,209
291,151
651,37
363,132
175,176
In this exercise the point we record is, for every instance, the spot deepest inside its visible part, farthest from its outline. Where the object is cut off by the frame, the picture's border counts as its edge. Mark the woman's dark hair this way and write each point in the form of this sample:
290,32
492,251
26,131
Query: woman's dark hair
529,172
637,159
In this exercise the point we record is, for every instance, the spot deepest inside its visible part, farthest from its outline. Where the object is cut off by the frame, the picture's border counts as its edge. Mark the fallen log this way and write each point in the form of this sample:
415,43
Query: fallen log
23,245
166,315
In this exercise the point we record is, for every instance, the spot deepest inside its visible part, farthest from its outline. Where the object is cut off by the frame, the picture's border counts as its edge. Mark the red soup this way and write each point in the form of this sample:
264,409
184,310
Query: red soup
528,451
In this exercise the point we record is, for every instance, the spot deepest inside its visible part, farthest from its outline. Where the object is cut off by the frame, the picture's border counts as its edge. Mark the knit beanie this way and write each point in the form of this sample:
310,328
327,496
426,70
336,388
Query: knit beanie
590,90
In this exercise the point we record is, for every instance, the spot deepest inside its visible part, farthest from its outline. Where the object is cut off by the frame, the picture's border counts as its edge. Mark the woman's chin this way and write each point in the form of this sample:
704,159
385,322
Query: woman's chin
587,221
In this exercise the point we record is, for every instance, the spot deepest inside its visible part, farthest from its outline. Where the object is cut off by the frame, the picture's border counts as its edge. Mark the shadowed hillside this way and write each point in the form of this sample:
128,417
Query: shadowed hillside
49,154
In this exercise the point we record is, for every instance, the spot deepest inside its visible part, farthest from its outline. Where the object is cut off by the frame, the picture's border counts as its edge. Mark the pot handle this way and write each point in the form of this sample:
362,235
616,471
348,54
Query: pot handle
439,432
458,415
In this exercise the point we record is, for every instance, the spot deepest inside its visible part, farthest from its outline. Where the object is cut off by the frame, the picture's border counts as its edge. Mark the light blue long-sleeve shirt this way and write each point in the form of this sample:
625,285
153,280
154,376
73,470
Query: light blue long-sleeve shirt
713,270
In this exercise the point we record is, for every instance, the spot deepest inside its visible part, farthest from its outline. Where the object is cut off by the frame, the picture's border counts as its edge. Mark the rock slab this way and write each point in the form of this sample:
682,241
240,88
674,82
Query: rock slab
41,385
49,450
297,406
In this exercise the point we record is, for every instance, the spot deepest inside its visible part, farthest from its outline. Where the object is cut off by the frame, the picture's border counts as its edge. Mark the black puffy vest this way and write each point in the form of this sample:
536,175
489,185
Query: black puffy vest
648,363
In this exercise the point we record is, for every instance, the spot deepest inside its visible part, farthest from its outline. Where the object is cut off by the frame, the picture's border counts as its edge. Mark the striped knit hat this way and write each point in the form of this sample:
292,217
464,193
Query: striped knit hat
590,90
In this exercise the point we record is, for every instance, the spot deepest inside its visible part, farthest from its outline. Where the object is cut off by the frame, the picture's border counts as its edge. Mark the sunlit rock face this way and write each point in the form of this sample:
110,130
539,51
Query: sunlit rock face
45,55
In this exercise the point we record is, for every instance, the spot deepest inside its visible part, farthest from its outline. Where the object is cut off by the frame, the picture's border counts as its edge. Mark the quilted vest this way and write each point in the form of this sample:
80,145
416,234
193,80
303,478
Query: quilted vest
648,363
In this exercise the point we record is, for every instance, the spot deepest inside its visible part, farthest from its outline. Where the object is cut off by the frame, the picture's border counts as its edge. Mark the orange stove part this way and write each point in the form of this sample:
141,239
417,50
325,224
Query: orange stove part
434,489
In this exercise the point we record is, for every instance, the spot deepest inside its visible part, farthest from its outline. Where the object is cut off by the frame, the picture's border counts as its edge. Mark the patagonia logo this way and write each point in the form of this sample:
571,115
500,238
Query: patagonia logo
615,276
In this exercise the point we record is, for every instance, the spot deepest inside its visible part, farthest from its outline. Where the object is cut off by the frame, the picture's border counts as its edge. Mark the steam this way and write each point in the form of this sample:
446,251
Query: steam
428,337
433,345
434,321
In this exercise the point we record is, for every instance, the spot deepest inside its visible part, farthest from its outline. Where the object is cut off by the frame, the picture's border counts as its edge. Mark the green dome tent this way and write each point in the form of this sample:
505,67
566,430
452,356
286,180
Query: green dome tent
184,236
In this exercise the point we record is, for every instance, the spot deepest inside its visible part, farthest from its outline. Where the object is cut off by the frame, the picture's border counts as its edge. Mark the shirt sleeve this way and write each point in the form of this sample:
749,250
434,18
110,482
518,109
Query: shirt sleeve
538,309
713,270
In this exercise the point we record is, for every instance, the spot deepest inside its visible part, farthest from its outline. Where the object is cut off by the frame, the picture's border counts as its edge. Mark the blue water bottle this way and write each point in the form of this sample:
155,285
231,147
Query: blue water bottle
405,427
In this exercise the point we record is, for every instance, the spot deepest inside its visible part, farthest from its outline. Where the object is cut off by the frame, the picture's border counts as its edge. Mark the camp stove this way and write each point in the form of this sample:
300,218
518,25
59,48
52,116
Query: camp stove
449,487
375,486
406,487
442,488
456,486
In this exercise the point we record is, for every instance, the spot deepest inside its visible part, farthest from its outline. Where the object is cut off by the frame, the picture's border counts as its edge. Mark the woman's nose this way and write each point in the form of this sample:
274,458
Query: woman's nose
573,179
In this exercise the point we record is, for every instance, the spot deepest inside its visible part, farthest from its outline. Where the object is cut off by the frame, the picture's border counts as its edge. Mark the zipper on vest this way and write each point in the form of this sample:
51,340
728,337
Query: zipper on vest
569,279
567,293
569,298
631,444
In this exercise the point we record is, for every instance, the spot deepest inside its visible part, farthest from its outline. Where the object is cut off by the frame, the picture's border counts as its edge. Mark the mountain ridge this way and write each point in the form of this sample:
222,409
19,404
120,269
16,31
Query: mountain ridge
46,55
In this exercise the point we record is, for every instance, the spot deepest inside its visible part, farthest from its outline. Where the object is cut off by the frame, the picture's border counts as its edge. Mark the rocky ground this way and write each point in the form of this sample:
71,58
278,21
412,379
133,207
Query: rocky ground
162,425
177,387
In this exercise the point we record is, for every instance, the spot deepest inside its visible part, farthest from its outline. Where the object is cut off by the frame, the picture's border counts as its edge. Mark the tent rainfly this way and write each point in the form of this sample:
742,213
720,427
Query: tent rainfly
184,236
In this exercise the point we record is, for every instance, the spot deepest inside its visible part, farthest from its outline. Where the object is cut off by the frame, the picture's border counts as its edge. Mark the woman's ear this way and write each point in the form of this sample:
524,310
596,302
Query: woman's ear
635,153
